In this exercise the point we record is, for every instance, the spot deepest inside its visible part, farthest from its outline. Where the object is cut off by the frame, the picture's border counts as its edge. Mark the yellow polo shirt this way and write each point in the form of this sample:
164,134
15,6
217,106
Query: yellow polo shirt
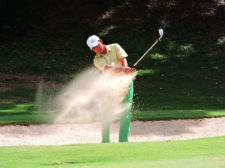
113,53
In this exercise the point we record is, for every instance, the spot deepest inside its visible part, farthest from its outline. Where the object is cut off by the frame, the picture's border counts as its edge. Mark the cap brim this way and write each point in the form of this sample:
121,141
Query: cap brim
94,44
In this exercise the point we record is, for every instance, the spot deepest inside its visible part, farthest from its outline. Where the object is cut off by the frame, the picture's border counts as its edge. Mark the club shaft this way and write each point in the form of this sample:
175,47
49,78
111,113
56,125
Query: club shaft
148,50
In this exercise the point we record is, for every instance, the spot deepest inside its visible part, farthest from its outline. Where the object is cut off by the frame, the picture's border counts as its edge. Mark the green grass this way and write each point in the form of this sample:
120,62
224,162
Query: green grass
19,106
182,77
157,95
199,153
23,114
177,114
170,97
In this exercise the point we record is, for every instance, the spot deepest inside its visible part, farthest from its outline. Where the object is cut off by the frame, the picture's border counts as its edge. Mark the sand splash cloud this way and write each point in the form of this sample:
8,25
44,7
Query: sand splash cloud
90,96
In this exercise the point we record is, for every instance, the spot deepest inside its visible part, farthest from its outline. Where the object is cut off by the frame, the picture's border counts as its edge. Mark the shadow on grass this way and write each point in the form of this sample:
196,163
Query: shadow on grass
162,97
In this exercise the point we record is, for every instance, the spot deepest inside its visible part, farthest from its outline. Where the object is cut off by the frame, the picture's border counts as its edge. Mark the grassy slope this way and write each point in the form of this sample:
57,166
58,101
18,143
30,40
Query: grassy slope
156,97
177,98
207,152
182,77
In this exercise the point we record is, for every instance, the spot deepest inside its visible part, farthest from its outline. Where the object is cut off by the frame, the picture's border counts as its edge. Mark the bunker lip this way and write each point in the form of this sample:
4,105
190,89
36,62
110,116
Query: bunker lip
141,131
149,120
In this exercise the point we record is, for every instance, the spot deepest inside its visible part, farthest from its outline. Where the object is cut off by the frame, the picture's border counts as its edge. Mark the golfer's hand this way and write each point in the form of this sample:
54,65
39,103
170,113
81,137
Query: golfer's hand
107,67
128,70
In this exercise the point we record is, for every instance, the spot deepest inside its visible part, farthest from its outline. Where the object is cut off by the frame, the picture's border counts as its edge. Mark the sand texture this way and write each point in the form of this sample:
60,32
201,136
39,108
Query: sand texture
140,131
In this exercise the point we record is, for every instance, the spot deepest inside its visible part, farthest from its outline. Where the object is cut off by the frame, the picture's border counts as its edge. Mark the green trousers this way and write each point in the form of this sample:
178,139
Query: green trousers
125,120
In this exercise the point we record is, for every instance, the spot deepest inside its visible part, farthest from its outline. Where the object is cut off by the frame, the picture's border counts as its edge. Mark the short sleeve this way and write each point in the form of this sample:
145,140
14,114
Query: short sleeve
120,52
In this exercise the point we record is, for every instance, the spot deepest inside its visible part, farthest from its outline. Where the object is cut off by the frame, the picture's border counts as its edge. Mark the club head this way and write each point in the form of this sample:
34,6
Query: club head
160,32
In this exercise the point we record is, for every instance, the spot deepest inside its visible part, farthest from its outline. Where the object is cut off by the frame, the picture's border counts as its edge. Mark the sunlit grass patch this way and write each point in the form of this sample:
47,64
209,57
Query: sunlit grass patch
143,72
158,56
186,48
155,114
16,108
198,162
221,41
24,113
198,153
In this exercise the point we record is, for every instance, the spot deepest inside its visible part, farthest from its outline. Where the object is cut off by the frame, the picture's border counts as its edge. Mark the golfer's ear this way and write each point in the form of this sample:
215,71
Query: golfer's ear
101,41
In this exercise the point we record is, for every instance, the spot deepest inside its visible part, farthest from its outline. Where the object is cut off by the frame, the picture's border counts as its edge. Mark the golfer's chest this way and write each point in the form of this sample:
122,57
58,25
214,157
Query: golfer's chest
108,59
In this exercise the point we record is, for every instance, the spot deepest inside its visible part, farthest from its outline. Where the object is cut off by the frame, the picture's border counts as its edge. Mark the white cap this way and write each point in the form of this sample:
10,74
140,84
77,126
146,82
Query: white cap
93,41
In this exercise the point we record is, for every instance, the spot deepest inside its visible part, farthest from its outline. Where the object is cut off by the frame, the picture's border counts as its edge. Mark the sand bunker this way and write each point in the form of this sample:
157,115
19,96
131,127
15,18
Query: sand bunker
83,101
60,134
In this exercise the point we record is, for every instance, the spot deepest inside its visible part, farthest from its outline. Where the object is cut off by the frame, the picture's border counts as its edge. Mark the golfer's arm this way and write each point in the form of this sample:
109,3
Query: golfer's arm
113,68
124,62
118,68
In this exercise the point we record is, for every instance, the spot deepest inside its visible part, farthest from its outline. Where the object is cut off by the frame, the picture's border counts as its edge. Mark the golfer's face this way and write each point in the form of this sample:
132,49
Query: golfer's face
98,49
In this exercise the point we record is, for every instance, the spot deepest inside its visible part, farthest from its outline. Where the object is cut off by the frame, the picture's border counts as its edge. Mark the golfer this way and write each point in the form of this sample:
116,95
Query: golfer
113,58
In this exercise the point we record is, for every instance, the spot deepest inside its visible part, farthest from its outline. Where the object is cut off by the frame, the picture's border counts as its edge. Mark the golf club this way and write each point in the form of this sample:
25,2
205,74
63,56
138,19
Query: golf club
160,36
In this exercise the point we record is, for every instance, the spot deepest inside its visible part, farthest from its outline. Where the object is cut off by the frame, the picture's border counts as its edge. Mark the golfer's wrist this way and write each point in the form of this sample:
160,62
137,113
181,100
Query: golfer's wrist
118,69
127,70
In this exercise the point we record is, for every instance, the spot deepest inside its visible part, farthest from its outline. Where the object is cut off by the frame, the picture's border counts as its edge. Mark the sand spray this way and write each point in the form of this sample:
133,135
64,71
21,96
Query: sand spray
90,96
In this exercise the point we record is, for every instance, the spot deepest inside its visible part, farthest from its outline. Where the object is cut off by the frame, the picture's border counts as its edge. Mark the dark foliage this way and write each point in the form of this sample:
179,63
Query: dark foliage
18,18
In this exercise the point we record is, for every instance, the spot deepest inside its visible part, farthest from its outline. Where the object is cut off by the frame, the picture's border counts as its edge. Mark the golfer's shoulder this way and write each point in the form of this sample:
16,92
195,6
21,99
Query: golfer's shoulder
114,46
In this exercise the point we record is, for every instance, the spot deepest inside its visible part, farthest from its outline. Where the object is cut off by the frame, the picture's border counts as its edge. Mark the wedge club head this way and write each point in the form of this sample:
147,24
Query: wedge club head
160,32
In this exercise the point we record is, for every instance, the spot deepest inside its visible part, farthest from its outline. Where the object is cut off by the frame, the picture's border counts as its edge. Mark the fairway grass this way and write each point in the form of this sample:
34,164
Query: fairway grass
202,162
198,153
